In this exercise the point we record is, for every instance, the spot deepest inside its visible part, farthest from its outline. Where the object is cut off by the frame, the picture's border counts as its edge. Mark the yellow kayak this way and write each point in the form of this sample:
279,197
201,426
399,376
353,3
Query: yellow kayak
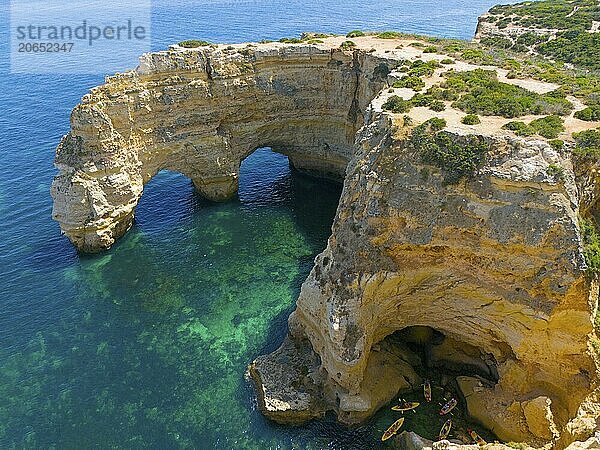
393,429
478,439
405,406
445,431
427,390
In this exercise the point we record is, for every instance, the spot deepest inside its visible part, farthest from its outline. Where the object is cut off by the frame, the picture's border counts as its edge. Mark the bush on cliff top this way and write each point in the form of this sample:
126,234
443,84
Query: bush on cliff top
290,40
389,35
587,143
549,127
589,114
519,128
459,158
410,81
572,18
397,105
193,43
355,34
482,93
471,119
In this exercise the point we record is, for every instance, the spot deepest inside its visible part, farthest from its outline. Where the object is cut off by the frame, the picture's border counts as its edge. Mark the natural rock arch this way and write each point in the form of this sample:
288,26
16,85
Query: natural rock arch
201,112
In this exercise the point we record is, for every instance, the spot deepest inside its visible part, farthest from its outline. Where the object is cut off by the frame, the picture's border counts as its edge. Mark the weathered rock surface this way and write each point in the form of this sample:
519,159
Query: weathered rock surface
494,263
287,382
201,112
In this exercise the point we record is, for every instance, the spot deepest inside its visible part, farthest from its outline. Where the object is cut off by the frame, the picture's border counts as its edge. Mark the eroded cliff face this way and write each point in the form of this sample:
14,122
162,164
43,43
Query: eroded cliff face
201,112
493,264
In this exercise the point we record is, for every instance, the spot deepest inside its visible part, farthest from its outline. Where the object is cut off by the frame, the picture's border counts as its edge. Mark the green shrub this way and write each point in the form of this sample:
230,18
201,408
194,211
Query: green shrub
549,127
453,48
436,124
410,81
477,56
355,34
290,40
482,93
397,105
555,171
459,158
430,50
557,144
511,64
587,143
581,50
437,106
193,43
417,44
471,119
589,114
438,93
496,41
519,48
422,100
318,35
421,68
447,61
519,128
530,38
389,35
347,45
591,245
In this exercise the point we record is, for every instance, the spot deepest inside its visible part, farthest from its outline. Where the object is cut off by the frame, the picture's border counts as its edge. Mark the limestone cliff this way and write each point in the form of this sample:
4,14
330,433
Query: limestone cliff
493,263
201,112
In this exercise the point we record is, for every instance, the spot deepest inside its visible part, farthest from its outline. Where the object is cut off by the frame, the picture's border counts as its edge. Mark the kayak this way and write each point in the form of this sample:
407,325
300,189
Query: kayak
478,439
405,406
427,390
393,429
445,431
448,407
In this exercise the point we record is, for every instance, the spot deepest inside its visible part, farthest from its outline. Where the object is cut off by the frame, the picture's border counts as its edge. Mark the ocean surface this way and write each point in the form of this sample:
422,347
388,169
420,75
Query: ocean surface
145,345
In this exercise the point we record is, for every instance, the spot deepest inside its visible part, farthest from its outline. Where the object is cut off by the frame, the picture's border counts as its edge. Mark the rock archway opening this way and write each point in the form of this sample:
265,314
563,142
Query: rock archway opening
440,356
426,356
265,177
168,197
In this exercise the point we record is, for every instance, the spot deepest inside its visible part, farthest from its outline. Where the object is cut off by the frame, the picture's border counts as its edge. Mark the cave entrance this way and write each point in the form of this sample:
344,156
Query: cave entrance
438,359
439,353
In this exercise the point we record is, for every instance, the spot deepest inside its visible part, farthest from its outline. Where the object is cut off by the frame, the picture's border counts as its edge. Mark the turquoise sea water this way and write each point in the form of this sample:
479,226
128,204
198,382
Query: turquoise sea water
145,346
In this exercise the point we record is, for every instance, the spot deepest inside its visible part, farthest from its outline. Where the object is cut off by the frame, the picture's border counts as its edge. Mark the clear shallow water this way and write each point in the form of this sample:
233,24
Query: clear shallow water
145,346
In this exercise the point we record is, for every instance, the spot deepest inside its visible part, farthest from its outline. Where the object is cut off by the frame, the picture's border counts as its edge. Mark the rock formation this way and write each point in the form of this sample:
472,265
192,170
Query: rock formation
201,112
493,264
